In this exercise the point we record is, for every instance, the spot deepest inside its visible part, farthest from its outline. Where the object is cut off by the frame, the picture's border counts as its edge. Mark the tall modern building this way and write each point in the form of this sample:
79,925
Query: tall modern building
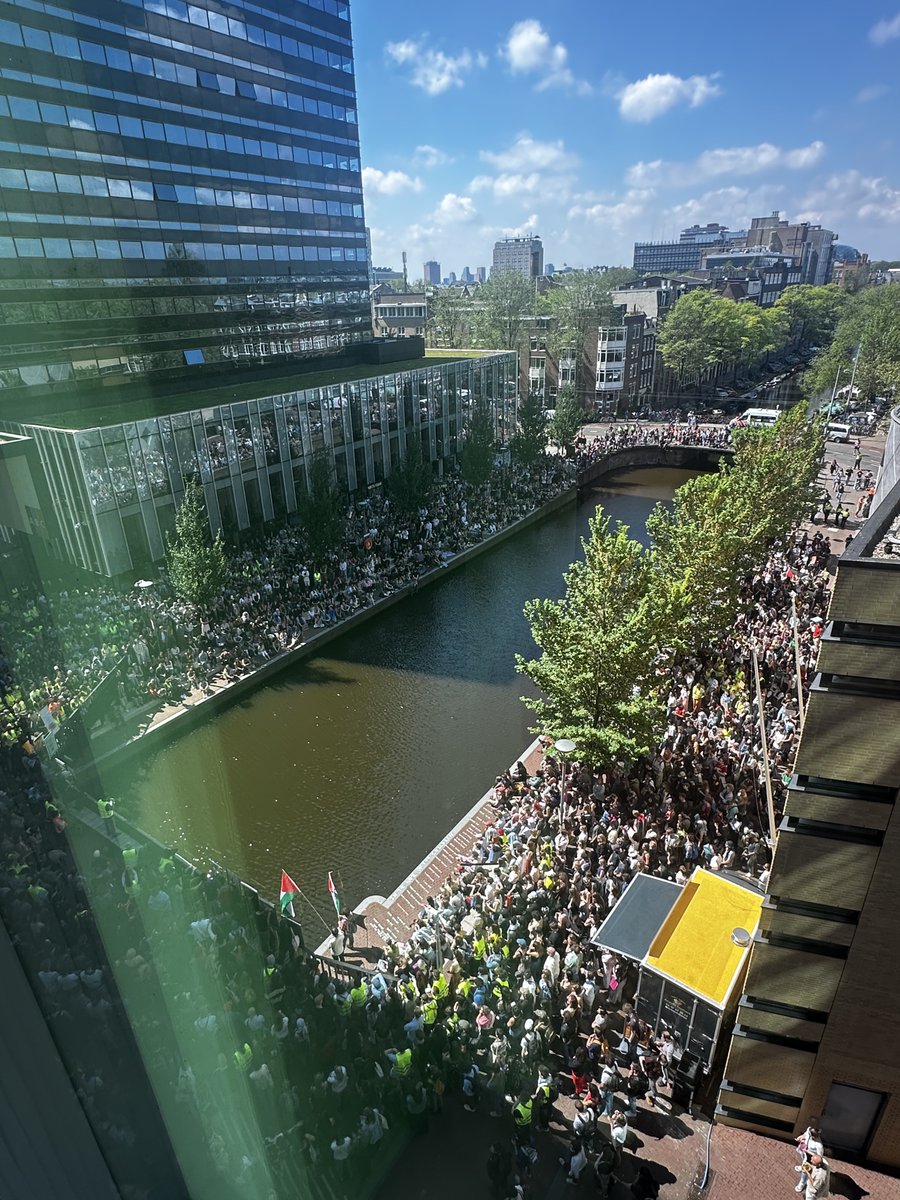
480,274
683,255
180,193
431,273
522,254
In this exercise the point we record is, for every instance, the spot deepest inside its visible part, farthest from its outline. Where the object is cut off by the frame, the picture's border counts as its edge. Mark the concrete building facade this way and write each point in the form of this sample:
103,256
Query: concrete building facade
522,254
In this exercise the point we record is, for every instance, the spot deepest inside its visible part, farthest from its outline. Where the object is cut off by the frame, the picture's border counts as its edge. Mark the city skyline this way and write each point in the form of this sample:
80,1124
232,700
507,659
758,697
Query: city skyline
593,158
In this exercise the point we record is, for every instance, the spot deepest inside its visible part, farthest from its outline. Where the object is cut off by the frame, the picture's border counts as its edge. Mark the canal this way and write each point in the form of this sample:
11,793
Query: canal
359,760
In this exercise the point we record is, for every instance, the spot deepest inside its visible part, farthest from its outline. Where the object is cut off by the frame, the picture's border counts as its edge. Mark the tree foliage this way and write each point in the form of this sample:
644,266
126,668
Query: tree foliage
720,525
811,313
500,309
701,331
449,319
568,416
528,444
478,456
578,303
322,509
196,561
410,484
598,649
869,323
625,607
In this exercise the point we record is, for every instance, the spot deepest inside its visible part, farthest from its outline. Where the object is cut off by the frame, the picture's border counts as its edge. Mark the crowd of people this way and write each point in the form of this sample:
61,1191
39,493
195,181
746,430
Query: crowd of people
59,649
499,997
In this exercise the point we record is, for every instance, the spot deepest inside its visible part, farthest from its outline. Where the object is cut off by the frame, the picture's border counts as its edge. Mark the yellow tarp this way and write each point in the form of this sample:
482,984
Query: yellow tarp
694,945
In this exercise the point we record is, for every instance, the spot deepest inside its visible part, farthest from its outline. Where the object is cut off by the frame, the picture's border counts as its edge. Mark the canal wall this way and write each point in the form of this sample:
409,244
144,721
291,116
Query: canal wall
395,915
185,717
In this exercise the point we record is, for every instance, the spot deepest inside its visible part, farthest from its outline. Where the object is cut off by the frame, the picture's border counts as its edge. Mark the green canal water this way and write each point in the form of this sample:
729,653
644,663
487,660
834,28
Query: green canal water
359,760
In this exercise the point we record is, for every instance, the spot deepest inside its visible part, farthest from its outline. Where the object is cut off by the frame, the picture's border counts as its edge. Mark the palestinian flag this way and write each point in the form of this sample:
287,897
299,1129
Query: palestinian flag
332,892
289,890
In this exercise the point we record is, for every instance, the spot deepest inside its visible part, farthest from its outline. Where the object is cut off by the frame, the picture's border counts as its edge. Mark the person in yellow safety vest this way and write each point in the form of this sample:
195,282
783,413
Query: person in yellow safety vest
411,988
129,858
243,1057
107,813
479,945
359,994
500,987
522,1116
343,1004
166,864
440,988
401,1062
465,987
430,1011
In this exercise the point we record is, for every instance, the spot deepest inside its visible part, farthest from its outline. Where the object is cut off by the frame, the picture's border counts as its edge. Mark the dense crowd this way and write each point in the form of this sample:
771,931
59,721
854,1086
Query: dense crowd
59,649
275,596
499,996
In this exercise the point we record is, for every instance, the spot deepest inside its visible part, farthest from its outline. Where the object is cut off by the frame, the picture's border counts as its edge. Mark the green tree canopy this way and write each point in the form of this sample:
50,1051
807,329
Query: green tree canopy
528,445
449,319
478,455
568,417
869,323
410,484
811,313
322,508
579,302
196,561
501,306
598,646
701,331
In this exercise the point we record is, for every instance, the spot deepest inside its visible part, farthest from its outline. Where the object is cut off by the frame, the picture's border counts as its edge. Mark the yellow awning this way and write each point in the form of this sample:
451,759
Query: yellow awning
694,946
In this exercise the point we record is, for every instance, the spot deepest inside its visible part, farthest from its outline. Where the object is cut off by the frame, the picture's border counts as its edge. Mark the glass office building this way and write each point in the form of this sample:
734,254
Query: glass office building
180,193
114,485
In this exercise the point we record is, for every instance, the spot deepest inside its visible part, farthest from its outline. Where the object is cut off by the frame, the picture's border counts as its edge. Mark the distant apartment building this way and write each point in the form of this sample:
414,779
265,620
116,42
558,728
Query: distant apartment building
851,274
683,255
522,254
386,275
626,364
480,274
398,314
431,273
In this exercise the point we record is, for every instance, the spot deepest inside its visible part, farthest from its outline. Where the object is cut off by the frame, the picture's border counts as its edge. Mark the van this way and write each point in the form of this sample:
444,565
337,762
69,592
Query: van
760,416
837,431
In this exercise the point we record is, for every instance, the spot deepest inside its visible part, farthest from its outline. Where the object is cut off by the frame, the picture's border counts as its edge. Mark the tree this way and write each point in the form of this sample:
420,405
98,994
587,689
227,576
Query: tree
501,306
322,508
811,312
870,325
410,484
568,416
578,303
721,525
449,319
196,561
701,331
599,645
478,456
528,444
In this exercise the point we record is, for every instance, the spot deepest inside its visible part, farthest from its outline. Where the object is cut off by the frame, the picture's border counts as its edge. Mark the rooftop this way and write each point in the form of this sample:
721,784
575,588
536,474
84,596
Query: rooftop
140,402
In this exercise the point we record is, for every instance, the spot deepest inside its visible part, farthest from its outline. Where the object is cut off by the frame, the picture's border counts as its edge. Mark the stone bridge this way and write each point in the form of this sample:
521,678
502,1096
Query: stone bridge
633,458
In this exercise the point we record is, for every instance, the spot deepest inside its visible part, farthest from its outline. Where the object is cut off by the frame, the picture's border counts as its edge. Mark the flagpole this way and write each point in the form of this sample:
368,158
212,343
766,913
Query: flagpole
315,910
765,751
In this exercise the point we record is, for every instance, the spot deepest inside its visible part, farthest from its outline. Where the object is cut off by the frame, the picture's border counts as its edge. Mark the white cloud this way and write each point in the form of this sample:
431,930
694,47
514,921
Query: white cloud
529,51
852,195
874,92
429,156
650,97
454,208
490,233
432,70
389,183
733,160
885,31
612,211
526,168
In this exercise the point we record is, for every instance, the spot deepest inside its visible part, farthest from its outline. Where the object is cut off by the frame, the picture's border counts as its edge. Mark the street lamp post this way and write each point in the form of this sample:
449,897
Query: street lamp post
565,746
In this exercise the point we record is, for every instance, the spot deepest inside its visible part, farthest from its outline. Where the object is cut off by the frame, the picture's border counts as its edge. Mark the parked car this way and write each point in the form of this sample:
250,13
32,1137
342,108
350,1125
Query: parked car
837,431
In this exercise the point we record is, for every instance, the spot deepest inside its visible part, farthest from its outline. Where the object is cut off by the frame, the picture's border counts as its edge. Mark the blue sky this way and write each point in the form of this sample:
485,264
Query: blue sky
598,124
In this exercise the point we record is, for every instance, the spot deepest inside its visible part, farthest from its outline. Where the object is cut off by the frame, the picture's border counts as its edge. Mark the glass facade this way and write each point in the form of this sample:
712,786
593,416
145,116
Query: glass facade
115,488
180,191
